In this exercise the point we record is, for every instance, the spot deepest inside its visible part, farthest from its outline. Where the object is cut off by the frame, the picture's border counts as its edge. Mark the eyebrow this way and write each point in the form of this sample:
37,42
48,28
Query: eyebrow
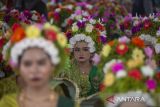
39,59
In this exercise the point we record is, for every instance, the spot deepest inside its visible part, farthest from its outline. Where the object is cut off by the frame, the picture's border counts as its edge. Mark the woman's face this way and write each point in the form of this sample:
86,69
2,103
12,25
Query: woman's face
133,104
35,67
81,52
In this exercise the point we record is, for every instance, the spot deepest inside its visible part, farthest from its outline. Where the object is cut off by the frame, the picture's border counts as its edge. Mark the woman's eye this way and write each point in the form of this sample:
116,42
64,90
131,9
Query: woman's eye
42,62
86,49
27,63
77,49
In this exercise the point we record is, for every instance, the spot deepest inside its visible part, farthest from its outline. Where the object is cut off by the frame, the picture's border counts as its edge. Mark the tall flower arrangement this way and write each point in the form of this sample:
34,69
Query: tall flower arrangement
60,13
111,12
28,17
124,61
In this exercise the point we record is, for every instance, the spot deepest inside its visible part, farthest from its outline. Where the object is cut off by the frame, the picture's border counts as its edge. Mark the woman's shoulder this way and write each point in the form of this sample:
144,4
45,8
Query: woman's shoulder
9,100
65,102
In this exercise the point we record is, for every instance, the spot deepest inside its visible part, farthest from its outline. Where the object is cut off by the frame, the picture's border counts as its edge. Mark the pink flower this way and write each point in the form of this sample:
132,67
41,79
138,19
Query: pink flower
151,84
148,52
124,39
12,64
78,12
96,59
117,67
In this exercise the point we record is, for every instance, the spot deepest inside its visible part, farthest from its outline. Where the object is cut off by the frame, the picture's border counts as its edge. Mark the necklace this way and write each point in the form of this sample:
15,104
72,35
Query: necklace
52,98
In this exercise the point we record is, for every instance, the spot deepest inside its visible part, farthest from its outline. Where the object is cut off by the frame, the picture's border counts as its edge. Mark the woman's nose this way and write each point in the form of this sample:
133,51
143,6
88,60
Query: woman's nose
34,68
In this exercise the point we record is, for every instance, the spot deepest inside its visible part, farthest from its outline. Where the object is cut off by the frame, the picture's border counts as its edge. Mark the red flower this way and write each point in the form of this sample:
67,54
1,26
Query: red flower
70,22
126,25
138,42
1,58
121,48
101,87
27,22
51,35
147,25
15,26
100,27
18,35
2,41
50,14
158,75
136,74
56,17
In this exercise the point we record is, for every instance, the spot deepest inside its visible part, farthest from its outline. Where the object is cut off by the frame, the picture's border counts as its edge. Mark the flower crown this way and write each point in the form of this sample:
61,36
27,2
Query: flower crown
129,61
88,30
46,37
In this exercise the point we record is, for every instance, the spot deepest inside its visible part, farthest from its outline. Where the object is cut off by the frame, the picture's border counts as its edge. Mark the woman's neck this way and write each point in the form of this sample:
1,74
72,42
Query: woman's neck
37,92
85,67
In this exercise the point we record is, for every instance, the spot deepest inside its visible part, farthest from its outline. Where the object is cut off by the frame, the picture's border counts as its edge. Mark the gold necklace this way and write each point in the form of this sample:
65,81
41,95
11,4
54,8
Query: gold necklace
23,97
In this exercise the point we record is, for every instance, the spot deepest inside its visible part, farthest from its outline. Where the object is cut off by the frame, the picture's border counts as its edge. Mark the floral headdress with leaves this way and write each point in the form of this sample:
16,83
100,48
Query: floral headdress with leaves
47,37
88,30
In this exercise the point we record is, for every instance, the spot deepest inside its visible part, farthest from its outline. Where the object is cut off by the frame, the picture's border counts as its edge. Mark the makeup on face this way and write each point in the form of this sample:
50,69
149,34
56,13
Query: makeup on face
35,67
84,49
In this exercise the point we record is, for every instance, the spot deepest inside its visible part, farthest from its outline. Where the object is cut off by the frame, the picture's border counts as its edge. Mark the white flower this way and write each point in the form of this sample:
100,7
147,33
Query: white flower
158,33
84,19
145,18
34,17
72,16
151,16
128,32
84,13
156,19
135,23
74,28
147,71
148,38
92,21
89,6
78,17
78,8
142,36
103,33
70,7
58,10
108,65
82,37
121,74
89,28
46,45
157,48
5,48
